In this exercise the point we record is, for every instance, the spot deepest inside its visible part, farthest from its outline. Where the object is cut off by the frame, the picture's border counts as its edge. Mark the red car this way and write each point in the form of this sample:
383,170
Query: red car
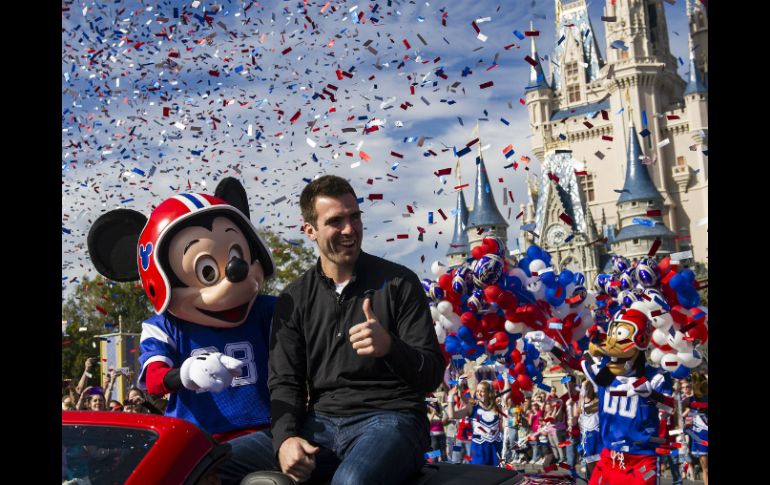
139,449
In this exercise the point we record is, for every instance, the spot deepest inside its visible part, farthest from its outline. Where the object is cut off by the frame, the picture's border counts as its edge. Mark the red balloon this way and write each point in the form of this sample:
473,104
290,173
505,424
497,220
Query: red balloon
445,282
477,252
520,368
491,322
516,356
498,385
679,315
664,265
699,332
491,244
507,300
468,319
517,397
513,316
515,387
492,293
501,340
524,381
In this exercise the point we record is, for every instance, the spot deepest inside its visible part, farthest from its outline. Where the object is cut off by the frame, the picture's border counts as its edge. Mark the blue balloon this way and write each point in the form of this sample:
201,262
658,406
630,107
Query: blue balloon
548,278
552,298
566,277
466,335
532,355
524,265
534,252
531,370
681,372
452,344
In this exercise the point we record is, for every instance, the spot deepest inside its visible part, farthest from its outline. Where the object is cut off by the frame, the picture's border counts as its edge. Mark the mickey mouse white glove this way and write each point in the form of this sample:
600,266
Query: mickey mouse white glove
541,341
209,371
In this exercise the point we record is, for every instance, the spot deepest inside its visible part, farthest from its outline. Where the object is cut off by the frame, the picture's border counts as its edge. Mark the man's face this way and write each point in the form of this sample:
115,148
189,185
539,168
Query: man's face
338,229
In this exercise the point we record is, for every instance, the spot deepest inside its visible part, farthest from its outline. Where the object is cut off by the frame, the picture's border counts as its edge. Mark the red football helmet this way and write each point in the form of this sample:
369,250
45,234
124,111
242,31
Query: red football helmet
164,218
640,322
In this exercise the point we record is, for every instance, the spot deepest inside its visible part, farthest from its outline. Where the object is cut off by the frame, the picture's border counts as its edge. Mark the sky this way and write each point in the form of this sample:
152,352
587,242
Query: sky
165,97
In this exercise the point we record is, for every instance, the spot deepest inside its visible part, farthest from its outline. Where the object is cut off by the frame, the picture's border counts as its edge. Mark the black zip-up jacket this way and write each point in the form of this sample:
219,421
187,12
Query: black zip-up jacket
310,349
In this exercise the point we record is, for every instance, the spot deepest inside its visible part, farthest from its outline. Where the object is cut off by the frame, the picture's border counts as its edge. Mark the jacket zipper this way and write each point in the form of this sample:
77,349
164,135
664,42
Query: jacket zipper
340,300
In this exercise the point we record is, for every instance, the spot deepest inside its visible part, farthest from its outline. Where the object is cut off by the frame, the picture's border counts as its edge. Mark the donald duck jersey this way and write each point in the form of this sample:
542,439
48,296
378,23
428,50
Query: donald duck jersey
627,421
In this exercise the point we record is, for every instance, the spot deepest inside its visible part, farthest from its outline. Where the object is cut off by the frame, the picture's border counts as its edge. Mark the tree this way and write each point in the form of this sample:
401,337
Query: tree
291,257
93,309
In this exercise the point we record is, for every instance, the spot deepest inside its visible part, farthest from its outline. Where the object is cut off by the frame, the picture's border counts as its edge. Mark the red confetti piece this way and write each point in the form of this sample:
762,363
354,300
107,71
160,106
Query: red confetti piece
375,197
458,187
214,73
101,310
531,33
166,111
588,125
567,220
618,393
654,248
699,405
582,172
662,451
553,177
531,61
403,236
395,154
295,117
654,213
486,85
406,43
66,342
607,138
672,117
441,213
519,214
475,27
409,209
521,100
364,156
339,74
443,171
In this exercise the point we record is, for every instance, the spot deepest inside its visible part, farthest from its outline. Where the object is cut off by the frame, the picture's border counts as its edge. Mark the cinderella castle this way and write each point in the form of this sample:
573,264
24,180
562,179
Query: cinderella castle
622,143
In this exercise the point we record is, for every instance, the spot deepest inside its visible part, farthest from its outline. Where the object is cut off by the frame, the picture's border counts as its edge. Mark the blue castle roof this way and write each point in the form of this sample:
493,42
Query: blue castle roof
638,231
638,184
459,244
485,212
695,84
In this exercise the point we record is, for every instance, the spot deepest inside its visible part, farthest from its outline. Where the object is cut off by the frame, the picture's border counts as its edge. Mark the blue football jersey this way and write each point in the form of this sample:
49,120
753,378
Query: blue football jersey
246,403
627,422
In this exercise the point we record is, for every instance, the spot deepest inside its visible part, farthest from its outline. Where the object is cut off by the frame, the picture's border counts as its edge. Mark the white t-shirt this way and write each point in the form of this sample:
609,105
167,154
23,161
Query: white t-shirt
341,286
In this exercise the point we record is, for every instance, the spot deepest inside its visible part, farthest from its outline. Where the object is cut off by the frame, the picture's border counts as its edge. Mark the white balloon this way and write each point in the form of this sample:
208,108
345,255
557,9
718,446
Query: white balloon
656,355
688,359
562,311
660,337
451,322
440,333
664,320
590,299
511,327
434,312
444,307
537,266
437,268
670,361
518,273
677,342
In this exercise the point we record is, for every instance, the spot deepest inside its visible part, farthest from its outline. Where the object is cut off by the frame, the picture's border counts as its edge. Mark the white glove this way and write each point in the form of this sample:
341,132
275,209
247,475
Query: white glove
541,341
209,371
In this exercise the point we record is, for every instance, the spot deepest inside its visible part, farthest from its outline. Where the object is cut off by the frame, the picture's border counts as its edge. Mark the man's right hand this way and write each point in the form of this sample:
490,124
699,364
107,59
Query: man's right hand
296,458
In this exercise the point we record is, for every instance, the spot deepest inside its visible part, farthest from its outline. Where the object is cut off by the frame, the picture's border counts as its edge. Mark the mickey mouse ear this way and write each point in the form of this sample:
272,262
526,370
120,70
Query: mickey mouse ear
112,242
231,191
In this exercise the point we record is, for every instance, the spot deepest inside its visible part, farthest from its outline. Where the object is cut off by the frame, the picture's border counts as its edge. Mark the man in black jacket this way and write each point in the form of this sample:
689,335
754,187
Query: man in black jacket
352,354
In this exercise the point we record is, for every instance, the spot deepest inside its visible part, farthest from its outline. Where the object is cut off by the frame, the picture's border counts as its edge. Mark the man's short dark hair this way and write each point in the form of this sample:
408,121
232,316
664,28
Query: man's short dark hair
328,186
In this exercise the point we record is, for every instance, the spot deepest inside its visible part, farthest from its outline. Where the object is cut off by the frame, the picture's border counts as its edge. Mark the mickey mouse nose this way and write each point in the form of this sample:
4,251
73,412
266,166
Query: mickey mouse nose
236,270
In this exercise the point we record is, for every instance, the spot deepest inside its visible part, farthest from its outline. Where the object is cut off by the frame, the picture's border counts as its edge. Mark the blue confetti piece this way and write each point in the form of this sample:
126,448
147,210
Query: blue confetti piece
261,219
126,201
238,69
681,62
138,171
65,230
643,222
463,152
644,118
566,379
394,166
569,238
561,39
644,133
430,217
544,387
518,34
505,121
419,19
360,200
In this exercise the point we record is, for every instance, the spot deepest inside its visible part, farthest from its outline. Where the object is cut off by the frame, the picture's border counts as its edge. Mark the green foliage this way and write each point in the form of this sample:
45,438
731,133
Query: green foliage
702,276
95,306
292,258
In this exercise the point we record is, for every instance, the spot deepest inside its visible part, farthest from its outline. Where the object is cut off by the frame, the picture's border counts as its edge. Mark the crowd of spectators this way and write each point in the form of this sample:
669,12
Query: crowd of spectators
95,393
559,429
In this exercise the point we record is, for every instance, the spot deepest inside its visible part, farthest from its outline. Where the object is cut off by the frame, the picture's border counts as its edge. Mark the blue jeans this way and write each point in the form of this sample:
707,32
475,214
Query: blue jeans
380,447
673,461
460,450
571,453
250,453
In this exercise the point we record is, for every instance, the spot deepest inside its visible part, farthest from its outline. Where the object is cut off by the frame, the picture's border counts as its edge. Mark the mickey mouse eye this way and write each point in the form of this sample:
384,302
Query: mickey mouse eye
622,333
207,271
235,252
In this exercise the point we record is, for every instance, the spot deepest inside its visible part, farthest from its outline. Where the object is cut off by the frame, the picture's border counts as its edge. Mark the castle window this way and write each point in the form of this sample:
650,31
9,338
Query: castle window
634,204
636,242
573,93
587,183
623,54
680,162
650,203
571,72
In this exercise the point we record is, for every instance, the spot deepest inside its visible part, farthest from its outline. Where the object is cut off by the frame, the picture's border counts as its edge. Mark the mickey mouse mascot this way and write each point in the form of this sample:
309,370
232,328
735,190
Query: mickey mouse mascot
202,264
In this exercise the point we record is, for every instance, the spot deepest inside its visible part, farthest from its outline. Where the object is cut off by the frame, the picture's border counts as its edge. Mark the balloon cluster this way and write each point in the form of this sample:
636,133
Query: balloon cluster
669,298
484,307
